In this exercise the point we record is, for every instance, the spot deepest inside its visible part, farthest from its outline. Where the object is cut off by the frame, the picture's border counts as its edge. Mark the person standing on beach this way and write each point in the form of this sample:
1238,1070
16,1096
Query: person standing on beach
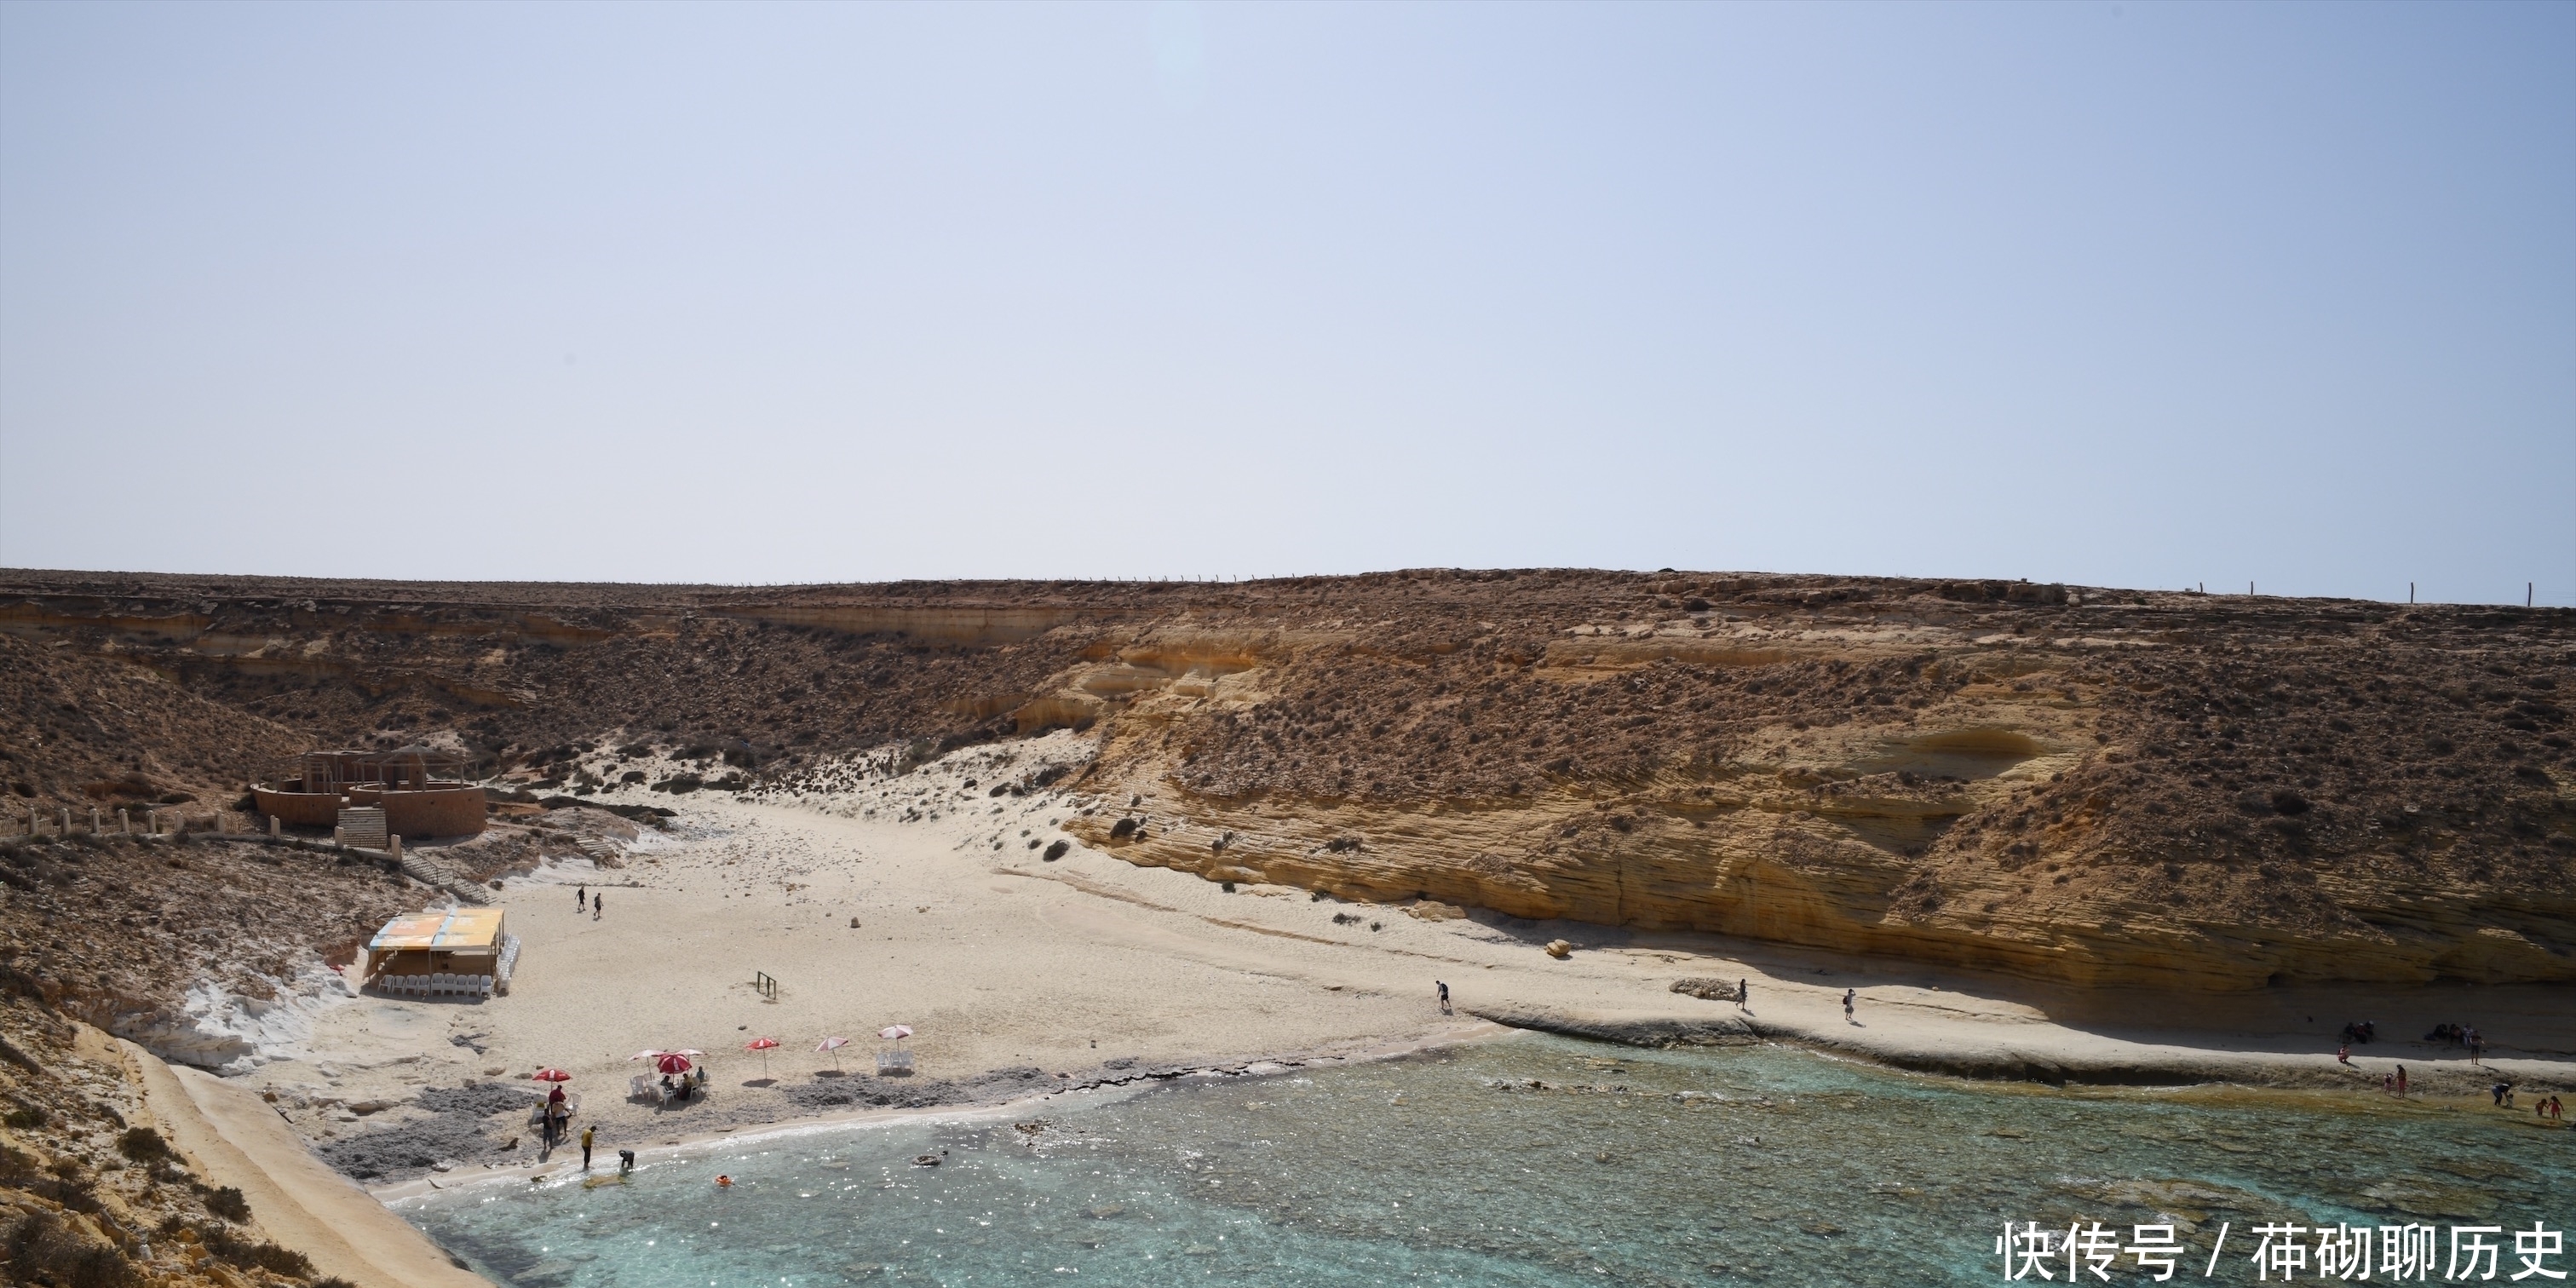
586,1134
1848,994
581,898
1444,996
596,905
1743,996
2401,1082
2388,1084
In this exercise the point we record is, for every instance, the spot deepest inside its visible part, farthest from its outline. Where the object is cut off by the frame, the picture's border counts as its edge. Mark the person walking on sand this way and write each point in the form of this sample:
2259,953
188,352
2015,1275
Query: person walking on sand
586,1134
2343,1054
1743,996
1444,997
596,905
581,898
1848,995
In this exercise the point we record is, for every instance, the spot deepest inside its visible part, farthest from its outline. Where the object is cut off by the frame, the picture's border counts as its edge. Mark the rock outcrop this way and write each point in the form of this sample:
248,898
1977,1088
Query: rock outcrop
2069,783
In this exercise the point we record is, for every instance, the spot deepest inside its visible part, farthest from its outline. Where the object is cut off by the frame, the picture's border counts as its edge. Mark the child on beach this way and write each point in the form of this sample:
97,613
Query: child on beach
1848,995
1444,996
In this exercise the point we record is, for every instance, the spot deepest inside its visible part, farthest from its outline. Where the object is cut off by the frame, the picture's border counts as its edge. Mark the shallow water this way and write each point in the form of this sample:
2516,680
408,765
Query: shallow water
1758,1164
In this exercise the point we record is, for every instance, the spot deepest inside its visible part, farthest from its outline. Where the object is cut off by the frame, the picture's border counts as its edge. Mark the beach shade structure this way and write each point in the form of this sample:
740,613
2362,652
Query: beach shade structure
894,1059
671,1062
833,1045
645,1055
691,1052
551,1075
763,1046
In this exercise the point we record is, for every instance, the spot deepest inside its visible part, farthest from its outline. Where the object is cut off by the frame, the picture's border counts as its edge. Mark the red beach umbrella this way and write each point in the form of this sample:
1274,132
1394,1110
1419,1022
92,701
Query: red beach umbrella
895,1032
833,1044
551,1075
763,1046
672,1062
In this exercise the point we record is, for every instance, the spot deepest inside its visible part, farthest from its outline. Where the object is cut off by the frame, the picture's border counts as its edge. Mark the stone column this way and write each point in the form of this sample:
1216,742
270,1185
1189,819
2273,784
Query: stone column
93,820
272,827
124,825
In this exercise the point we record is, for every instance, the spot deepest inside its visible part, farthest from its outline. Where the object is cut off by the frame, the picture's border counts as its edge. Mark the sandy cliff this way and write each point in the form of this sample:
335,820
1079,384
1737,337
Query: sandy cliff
2075,784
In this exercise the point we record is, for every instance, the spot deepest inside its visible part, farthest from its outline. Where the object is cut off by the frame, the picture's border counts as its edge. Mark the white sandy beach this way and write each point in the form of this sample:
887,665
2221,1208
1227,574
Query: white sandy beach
1000,959
1109,973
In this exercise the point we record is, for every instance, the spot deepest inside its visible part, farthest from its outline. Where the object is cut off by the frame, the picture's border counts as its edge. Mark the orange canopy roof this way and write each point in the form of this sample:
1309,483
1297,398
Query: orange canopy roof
461,928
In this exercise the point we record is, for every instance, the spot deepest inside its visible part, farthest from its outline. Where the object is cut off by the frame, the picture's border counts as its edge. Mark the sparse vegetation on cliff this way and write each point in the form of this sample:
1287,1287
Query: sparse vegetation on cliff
2080,784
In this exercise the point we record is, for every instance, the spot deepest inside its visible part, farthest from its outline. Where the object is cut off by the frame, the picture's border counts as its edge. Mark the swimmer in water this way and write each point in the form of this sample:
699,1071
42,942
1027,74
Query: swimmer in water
724,1182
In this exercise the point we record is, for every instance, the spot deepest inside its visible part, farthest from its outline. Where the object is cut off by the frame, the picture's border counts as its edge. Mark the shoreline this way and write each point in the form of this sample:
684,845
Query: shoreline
922,899
2204,1070
2054,1064
1139,1083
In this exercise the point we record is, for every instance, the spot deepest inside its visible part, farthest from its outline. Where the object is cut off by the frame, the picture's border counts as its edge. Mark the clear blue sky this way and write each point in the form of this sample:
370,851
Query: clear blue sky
2128,294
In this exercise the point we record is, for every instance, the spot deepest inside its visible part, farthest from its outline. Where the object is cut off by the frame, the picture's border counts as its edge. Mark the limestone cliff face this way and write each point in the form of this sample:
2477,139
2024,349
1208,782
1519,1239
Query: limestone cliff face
2029,807
2077,784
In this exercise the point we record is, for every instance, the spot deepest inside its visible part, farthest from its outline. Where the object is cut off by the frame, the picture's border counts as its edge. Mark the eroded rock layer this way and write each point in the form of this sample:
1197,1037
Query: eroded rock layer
2093,786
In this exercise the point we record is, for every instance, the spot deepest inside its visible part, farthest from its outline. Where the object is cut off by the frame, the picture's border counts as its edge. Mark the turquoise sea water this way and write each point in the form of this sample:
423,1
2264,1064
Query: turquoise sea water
1743,1165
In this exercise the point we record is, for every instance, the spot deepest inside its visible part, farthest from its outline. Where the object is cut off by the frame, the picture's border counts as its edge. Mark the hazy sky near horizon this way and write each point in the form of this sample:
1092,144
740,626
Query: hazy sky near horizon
2123,294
